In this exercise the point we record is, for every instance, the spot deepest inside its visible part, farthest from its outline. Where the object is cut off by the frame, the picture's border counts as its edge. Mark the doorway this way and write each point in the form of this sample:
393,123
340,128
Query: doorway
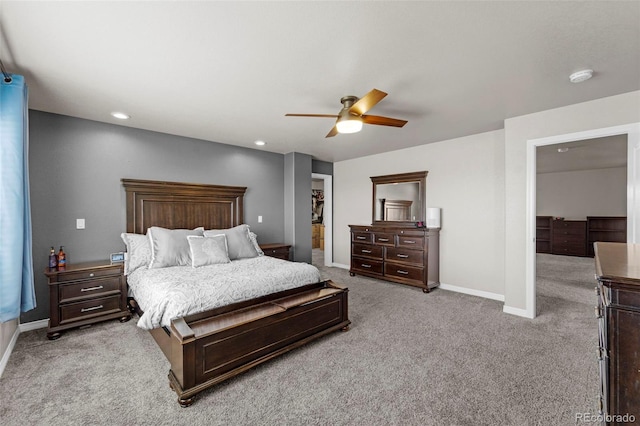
322,219
633,193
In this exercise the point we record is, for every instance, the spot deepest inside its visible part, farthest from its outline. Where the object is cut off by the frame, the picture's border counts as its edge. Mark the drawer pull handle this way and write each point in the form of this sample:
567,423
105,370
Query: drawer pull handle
99,287
91,274
91,309
365,266
384,240
404,256
361,238
366,251
409,242
400,271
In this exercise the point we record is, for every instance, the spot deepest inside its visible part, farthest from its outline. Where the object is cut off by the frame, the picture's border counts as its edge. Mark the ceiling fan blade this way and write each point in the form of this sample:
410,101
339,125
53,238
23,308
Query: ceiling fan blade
367,102
312,115
332,132
383,121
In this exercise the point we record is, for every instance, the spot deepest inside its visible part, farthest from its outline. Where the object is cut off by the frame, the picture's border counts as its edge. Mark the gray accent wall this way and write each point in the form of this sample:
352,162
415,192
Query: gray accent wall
75,171
297,196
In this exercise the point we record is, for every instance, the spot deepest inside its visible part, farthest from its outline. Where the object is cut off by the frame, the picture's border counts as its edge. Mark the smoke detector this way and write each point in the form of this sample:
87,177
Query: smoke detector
580,76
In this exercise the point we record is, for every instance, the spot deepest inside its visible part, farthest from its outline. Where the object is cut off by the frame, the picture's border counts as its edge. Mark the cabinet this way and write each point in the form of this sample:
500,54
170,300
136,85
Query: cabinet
569,237
618,314
317,236
86,293
279,250
606,229
398,254
543,234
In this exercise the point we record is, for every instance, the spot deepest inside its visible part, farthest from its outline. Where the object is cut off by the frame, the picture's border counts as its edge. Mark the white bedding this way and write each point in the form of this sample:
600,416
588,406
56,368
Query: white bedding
167,293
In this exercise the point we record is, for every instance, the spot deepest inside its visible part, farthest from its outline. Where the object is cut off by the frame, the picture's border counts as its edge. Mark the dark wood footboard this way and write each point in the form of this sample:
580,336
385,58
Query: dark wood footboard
208,348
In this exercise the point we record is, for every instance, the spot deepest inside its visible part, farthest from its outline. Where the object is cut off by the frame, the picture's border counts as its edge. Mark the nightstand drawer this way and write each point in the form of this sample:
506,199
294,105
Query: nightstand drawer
63,276
89,288
89,308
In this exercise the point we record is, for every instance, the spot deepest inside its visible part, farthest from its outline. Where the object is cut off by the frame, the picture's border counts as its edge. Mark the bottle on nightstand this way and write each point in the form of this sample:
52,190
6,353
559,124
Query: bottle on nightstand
62,259
53,259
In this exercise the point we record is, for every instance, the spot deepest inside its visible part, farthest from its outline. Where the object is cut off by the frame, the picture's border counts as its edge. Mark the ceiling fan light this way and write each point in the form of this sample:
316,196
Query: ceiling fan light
349,124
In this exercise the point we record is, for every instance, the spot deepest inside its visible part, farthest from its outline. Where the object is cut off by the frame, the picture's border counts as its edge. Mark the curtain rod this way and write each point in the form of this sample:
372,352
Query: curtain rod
7,77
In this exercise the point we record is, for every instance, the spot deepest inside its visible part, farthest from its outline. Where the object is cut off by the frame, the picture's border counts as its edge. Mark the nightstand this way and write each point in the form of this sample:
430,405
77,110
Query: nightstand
86,293
279,250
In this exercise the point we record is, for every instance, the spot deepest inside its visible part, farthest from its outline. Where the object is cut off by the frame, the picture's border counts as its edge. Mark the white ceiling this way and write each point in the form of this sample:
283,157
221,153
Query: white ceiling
588,154
229,71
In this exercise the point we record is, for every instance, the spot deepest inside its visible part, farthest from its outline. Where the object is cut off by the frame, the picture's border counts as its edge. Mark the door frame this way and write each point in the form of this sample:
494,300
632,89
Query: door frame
633,193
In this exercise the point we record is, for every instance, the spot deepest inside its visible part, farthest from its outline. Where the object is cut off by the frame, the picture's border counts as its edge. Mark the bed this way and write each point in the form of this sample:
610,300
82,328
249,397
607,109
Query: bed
210,346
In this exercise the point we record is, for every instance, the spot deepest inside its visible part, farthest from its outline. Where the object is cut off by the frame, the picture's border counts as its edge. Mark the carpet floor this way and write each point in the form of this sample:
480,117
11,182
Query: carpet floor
410,358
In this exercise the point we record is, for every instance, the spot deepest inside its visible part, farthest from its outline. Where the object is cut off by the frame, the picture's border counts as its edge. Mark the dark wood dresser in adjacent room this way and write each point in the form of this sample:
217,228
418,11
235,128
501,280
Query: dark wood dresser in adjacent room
618,313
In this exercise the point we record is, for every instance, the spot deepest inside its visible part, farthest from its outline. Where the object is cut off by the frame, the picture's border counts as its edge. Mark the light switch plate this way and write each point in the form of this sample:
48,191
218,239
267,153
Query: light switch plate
79,223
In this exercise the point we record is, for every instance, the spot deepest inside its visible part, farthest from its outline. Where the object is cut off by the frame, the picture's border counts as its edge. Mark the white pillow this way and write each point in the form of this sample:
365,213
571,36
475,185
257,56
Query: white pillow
254,239
208,250
138,252
239,244
169,247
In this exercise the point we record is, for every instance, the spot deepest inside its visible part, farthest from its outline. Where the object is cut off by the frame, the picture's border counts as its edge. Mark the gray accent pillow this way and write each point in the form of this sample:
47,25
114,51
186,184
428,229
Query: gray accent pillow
138,252
239,243
254,239
169,247
208,250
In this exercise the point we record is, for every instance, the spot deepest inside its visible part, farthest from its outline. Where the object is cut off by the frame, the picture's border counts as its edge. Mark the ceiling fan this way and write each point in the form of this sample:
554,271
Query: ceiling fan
352,115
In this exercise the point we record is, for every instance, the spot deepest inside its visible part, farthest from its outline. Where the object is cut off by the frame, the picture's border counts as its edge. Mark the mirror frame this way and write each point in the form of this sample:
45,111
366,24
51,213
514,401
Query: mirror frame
420,177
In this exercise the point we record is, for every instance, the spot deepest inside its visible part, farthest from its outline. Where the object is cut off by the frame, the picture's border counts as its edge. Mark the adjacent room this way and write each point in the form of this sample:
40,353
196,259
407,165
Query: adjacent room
312,212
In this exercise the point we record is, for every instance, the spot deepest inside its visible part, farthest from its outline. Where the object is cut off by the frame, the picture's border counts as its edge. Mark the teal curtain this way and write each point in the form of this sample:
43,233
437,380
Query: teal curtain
16,264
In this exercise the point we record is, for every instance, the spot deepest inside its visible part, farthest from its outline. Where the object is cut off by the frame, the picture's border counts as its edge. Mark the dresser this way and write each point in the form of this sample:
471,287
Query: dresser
399,254
569,237
85,293
618,313
279,250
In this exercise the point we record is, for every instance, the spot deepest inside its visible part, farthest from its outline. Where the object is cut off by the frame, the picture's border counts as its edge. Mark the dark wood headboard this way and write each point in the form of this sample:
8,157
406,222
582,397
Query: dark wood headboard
177,205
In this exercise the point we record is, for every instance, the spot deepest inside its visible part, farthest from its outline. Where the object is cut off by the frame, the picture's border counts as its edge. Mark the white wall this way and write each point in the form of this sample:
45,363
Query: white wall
465,179
582,193
601,113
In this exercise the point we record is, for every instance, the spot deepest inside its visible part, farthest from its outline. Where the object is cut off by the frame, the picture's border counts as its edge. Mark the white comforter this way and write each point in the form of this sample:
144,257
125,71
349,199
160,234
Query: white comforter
167,293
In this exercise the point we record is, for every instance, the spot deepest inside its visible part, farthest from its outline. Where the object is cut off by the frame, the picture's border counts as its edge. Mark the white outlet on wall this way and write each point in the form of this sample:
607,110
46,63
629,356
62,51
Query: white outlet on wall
259,219
79,223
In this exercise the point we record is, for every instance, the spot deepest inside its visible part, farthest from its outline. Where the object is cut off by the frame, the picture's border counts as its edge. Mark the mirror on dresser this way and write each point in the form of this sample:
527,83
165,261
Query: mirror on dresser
399,199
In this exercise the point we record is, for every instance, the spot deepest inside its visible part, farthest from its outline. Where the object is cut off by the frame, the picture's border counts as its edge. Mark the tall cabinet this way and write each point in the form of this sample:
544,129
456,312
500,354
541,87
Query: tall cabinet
618,313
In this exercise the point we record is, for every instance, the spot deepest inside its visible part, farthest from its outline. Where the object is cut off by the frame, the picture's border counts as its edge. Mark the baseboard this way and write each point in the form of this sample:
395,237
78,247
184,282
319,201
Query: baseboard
472,292
340,265
33,325
7,353
517,311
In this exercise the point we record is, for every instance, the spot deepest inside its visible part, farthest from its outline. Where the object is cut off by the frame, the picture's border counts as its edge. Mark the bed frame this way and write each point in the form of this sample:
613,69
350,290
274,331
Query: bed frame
207,348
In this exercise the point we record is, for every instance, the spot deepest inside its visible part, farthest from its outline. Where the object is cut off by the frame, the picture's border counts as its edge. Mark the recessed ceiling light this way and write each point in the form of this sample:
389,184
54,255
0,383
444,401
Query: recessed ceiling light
260,143
563,149
120,115
580,76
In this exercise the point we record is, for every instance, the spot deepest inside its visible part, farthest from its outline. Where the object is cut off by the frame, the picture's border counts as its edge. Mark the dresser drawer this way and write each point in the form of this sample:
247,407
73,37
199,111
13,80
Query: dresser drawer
569,239
384,239
366,265
362,237
366,250
404,255
404,271
89,308
412,242
570,249
89,288
63,276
